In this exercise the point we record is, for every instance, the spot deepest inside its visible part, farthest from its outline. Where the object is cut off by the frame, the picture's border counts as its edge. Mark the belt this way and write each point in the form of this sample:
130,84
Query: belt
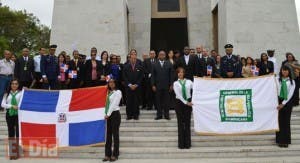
6,75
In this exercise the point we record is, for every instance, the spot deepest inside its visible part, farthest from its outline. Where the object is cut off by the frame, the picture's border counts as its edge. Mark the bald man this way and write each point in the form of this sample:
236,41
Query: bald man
24,70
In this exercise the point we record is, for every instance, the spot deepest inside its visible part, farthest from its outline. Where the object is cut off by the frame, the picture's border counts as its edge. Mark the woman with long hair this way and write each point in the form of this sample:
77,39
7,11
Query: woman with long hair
183,107
113,117
63,79
10,102
104,67
265,66
92,71
286,88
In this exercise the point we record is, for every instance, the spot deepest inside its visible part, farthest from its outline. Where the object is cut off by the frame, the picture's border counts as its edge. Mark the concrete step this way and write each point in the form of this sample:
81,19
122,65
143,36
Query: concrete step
194,152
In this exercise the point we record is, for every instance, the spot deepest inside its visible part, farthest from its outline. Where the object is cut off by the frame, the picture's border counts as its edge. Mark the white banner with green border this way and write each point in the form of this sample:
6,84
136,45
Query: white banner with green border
235,106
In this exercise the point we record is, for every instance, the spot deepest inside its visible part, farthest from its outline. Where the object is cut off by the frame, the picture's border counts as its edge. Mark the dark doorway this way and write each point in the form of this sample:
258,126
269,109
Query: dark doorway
215,28
169,34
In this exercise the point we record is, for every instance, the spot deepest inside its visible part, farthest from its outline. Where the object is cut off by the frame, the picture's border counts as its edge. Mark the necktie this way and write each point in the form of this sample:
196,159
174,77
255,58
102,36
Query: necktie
107,103
12,111
183,89
283,90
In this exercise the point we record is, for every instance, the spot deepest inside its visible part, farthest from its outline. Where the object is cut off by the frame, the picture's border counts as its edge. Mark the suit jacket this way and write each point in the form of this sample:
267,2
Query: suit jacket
105,69
230,65
265,69
133,76
49,67
79,68
190,68
24,70
162,76
202,66
147,65
88,70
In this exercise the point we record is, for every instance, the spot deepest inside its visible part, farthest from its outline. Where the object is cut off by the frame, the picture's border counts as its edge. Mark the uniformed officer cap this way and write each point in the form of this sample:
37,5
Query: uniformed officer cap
270,50
228,46
53,46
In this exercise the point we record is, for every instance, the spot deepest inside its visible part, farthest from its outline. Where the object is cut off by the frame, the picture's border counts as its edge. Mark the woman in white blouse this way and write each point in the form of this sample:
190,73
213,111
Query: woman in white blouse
10,102
286,88
113,117
183,107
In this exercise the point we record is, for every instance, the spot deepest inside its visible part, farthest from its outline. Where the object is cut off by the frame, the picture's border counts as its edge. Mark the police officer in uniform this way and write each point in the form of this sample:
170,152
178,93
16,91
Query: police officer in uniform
230,66
50,69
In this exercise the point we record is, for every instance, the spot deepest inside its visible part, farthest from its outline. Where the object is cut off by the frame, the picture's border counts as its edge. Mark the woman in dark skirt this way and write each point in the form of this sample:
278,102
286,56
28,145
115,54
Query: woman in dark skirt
286,88
113,117
183,107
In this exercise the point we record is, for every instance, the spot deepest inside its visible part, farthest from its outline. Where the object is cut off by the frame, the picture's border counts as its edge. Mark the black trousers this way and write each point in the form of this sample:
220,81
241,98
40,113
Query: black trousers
162,102
183,114
132,103
25,84
113,125
52,84
12,125
284,134
74,83
38,77
295,97
92,83
149,95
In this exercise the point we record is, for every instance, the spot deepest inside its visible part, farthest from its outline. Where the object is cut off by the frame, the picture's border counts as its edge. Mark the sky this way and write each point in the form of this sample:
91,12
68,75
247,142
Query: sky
43,8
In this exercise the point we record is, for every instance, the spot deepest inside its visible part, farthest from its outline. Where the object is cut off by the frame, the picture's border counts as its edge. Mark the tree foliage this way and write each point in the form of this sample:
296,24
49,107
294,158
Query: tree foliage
19,29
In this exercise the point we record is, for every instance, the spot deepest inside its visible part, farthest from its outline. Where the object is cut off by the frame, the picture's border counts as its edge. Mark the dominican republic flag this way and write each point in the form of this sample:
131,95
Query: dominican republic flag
73,117
72,74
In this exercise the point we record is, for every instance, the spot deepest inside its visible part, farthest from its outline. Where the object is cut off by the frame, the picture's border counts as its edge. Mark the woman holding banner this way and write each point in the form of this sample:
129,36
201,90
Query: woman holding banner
113,117
286,88
183,107
10,102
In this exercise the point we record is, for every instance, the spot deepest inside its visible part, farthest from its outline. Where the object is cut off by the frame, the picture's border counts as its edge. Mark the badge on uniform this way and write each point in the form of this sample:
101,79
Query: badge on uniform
25,68
72,74
209,70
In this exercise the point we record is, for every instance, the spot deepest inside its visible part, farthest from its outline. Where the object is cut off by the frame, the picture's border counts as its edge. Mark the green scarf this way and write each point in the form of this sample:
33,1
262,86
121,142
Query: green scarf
107,103
183,88
283,90
14,102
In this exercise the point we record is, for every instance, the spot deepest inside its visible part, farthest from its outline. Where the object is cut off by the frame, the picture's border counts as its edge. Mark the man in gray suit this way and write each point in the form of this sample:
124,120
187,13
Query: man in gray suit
162,80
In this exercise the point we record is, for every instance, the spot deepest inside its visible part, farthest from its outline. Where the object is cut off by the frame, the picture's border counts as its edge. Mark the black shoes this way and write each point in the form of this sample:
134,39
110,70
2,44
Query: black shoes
158,118
167,118
283,145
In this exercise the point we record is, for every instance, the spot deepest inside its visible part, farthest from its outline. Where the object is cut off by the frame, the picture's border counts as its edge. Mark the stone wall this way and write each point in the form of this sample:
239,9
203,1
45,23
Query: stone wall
139,25
257,25
200,28
81,25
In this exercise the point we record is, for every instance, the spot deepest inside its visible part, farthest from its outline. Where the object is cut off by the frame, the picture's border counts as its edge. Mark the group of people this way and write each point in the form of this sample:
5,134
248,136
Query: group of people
161,81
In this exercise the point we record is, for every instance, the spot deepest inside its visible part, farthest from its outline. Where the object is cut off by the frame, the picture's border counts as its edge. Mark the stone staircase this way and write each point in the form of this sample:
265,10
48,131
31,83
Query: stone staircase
150,139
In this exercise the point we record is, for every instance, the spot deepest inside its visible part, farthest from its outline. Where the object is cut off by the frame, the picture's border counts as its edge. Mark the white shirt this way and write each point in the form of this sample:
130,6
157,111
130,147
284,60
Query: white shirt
6,101
7,67
199,55
273,59
114,100
290,88
178,90
37,63
186,58
161,63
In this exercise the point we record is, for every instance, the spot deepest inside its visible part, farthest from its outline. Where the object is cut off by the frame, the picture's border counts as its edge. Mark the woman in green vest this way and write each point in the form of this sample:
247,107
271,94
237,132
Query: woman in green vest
10,102
183,108
286,88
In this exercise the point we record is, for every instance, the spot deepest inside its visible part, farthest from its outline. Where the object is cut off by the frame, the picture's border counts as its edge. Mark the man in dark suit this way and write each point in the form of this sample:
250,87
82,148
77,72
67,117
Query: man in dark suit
206,65
230,66
24,69
133,76
148,65
162,81
50,69
189,63
76,65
